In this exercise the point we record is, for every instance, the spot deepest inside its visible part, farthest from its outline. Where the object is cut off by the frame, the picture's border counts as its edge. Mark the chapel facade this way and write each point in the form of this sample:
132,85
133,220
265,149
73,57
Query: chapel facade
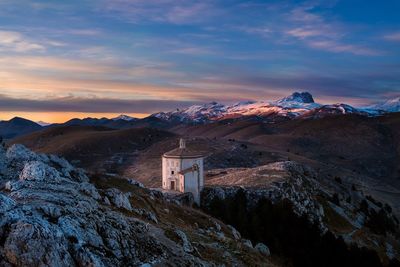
182,170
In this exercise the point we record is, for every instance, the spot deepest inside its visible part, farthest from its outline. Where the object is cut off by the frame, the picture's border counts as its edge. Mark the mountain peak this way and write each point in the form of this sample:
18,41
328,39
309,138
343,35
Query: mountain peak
390,105
303,97
123,117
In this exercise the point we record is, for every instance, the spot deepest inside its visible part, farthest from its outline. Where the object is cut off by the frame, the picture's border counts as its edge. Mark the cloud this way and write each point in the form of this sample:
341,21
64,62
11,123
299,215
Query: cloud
84,32
354,87
303,24
304,33
169,11
91,66
89,105
337,47
15,41
395,36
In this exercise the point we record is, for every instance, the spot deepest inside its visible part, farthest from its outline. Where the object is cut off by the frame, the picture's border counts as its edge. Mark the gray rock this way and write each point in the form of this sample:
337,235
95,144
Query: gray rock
263,249
39,171
247,243
119,199
134,182
6,203
19,153
187,246
217,226
89,190
235,232
106,201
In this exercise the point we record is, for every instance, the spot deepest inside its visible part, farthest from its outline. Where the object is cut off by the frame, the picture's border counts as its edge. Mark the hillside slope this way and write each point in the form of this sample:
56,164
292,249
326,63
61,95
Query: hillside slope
93,147
367,146
17,127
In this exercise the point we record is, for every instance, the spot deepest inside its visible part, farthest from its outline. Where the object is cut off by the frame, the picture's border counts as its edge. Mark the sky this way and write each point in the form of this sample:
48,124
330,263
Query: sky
65,59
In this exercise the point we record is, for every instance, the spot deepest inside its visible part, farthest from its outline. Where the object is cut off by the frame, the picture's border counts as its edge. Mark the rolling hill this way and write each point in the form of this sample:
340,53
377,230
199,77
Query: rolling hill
93,147
17,127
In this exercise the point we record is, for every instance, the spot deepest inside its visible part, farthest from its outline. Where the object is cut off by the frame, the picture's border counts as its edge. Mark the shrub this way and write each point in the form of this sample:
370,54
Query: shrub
338,180
335,199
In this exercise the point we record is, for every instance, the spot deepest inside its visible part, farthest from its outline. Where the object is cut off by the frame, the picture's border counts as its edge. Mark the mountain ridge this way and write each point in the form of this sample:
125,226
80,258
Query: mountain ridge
299,105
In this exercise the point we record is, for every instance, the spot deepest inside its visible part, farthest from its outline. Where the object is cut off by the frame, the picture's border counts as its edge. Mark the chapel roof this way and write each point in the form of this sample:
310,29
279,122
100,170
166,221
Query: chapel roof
183,152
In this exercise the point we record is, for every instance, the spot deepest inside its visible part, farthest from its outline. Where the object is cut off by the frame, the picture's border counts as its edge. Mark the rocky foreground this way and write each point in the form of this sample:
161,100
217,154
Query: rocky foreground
52,215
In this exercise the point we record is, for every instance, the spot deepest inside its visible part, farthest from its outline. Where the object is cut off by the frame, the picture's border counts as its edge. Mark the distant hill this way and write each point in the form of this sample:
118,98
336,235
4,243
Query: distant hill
93,147
121,122
17,127
368,145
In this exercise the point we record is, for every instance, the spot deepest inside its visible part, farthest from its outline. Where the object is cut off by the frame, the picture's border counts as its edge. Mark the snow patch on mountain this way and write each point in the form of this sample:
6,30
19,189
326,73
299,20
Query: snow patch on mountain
124,117
43,123
391,105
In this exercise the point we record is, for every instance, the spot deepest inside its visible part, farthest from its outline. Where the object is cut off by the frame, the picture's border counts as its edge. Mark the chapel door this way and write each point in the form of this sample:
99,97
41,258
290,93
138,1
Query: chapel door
172,185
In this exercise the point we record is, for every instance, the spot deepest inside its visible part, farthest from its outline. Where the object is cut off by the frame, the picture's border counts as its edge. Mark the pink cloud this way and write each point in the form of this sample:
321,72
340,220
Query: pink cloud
393,37
337,47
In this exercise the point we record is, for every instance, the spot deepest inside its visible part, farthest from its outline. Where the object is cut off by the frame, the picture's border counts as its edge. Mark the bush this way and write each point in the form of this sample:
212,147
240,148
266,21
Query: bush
377,203
338,180
335,199
380,223
364,207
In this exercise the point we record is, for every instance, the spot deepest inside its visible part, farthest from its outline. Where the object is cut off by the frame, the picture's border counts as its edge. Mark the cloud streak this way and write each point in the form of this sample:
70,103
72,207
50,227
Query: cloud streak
395,36
170,11
89,105
15,41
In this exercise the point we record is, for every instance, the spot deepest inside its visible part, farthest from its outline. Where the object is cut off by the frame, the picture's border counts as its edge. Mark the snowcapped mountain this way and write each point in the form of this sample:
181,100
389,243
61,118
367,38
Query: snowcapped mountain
303,100
43,123
335,109
124,117
291,106
391,105
296,105
195,113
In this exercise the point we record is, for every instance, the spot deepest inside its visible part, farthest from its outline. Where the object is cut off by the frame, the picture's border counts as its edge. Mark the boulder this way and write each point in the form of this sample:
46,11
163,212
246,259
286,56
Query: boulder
134,182
247,243
119,199
263,249
39,171
187,246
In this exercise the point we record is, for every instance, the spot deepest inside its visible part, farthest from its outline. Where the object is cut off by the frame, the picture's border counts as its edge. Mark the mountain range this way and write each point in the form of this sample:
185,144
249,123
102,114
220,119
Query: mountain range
299,105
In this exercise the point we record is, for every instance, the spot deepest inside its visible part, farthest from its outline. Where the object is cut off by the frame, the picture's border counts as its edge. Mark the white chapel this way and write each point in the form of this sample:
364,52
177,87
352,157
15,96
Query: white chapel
182,171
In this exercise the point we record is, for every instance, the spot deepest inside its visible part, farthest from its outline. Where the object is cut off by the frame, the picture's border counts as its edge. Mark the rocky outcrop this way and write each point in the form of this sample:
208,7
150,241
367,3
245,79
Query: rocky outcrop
50,215
119,199
297,187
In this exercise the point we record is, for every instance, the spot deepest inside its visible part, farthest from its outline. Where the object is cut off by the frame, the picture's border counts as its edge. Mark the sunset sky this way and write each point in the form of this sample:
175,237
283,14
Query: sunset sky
64,59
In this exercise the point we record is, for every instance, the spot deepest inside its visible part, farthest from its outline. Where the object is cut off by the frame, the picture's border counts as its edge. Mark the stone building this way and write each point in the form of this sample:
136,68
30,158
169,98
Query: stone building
182,171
